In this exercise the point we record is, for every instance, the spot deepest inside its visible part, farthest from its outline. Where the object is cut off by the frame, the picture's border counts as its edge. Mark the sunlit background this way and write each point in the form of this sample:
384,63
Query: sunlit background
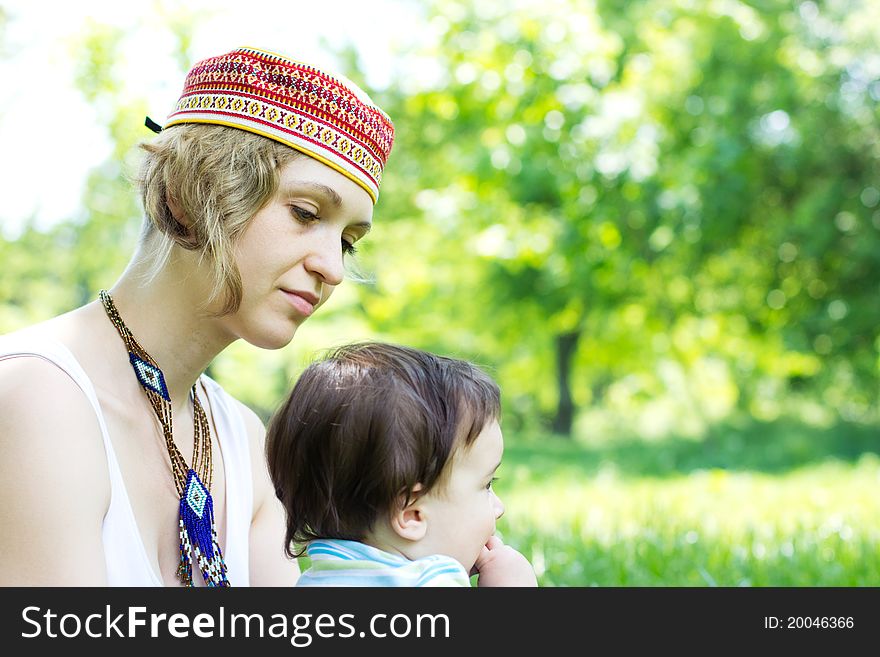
656,223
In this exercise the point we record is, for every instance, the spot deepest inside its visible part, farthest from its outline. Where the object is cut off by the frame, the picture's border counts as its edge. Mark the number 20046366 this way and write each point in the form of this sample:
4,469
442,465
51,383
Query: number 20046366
808,622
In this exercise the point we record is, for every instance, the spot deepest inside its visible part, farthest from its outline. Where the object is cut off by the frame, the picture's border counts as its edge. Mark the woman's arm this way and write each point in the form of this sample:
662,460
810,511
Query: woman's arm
54,487
269,565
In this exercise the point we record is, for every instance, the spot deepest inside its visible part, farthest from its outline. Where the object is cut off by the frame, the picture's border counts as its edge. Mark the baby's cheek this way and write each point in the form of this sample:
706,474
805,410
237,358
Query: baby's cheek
491,518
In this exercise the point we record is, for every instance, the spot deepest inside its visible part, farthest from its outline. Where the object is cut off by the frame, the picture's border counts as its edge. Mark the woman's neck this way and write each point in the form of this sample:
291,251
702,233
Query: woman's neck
168,319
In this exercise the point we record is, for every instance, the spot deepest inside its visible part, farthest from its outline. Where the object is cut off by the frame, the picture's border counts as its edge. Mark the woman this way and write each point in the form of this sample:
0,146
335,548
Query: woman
120,463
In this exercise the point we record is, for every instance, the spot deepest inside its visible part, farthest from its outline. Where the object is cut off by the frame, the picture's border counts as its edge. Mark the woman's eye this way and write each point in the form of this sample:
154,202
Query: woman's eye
348,248
303,215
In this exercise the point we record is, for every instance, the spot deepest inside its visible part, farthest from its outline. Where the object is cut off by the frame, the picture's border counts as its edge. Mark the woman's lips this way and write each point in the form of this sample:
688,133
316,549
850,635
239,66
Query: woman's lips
303,302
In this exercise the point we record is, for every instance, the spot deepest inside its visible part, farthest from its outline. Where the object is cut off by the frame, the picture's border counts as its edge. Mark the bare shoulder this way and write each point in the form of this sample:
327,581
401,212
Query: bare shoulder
46,421
41,404
36,395
53,477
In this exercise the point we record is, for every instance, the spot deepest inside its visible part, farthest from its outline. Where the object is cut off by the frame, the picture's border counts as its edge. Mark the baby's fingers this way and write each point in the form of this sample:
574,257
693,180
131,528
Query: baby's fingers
494,543
481,560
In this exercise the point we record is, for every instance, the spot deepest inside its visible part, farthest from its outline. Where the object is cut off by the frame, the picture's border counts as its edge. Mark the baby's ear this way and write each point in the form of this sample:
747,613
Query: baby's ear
409,521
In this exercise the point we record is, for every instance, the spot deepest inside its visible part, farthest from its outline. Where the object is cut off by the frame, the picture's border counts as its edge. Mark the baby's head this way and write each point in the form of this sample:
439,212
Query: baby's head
390,446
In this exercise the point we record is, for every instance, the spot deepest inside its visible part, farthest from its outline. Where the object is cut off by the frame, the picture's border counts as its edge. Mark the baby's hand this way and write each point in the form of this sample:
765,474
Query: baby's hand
501,565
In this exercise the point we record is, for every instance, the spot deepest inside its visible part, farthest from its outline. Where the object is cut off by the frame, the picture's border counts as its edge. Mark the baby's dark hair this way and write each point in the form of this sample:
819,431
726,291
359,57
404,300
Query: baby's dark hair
363,427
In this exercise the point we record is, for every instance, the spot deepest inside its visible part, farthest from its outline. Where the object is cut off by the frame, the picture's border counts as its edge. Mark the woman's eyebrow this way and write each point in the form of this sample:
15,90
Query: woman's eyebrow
320,188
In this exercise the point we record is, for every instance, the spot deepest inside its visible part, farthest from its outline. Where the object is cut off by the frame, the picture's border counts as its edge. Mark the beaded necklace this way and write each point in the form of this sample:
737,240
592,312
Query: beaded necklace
198,536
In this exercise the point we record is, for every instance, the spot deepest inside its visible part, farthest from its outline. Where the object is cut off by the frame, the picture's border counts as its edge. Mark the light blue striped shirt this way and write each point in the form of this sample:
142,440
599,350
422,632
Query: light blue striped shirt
337,562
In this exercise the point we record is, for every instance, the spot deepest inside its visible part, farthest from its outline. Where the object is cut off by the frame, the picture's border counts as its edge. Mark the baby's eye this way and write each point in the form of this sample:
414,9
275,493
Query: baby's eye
491,481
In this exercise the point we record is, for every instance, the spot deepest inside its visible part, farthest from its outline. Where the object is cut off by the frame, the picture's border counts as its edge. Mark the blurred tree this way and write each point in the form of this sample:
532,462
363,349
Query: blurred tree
604,172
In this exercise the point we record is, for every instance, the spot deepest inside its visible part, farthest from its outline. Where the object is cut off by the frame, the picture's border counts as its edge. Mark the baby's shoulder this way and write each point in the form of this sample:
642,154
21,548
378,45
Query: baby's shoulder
440,570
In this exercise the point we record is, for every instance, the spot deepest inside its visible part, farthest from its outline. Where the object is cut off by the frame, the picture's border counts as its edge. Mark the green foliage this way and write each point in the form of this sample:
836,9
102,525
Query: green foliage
624,171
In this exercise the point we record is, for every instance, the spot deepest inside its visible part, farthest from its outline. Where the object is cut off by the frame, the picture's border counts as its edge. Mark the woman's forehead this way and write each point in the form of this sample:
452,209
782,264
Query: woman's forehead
306,175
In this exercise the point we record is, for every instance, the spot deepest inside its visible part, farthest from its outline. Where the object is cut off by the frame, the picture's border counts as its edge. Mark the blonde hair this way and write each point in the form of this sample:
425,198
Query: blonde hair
219,177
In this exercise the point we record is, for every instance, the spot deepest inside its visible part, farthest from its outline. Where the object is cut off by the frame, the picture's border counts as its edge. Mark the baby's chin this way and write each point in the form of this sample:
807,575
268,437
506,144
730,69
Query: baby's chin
472,569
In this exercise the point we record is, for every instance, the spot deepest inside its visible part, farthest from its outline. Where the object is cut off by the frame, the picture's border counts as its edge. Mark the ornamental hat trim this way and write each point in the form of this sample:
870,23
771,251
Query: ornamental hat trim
327,117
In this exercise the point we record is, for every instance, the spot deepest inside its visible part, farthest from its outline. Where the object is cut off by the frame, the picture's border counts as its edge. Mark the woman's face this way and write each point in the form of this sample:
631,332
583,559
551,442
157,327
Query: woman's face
291,254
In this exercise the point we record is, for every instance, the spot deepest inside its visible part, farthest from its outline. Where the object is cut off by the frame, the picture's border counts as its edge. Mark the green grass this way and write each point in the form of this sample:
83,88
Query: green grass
752,504
757,505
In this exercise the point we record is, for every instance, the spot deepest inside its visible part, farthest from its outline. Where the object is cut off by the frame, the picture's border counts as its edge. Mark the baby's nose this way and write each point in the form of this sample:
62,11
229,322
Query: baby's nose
499,508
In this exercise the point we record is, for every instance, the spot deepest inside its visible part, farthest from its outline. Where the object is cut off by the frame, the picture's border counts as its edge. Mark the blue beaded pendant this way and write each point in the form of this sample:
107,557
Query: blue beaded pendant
149,376
198,538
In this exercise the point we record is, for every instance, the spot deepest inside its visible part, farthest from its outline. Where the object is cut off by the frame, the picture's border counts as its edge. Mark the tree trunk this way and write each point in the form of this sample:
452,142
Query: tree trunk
566,343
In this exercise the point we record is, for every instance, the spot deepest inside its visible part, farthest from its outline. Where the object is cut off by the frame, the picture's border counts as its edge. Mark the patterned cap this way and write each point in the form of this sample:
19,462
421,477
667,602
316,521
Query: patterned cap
325,116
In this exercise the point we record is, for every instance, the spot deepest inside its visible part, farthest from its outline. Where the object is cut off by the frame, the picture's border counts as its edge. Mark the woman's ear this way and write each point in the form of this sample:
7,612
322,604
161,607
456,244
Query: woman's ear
174,208
410,521
183,223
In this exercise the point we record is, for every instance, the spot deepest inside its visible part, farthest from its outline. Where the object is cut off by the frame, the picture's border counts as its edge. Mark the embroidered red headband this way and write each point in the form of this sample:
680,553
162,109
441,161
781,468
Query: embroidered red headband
297,104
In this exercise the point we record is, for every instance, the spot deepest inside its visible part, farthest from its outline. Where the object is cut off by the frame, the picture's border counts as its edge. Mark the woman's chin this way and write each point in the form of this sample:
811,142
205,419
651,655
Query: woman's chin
271,339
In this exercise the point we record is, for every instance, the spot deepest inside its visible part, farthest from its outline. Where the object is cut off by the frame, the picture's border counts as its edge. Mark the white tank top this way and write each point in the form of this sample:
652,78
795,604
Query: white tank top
124,552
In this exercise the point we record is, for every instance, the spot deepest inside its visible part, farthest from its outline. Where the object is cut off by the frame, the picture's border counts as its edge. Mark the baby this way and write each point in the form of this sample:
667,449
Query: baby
384,457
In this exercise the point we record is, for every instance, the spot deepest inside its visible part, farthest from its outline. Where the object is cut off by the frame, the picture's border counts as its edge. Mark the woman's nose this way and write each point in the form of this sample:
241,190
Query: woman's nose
325,259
